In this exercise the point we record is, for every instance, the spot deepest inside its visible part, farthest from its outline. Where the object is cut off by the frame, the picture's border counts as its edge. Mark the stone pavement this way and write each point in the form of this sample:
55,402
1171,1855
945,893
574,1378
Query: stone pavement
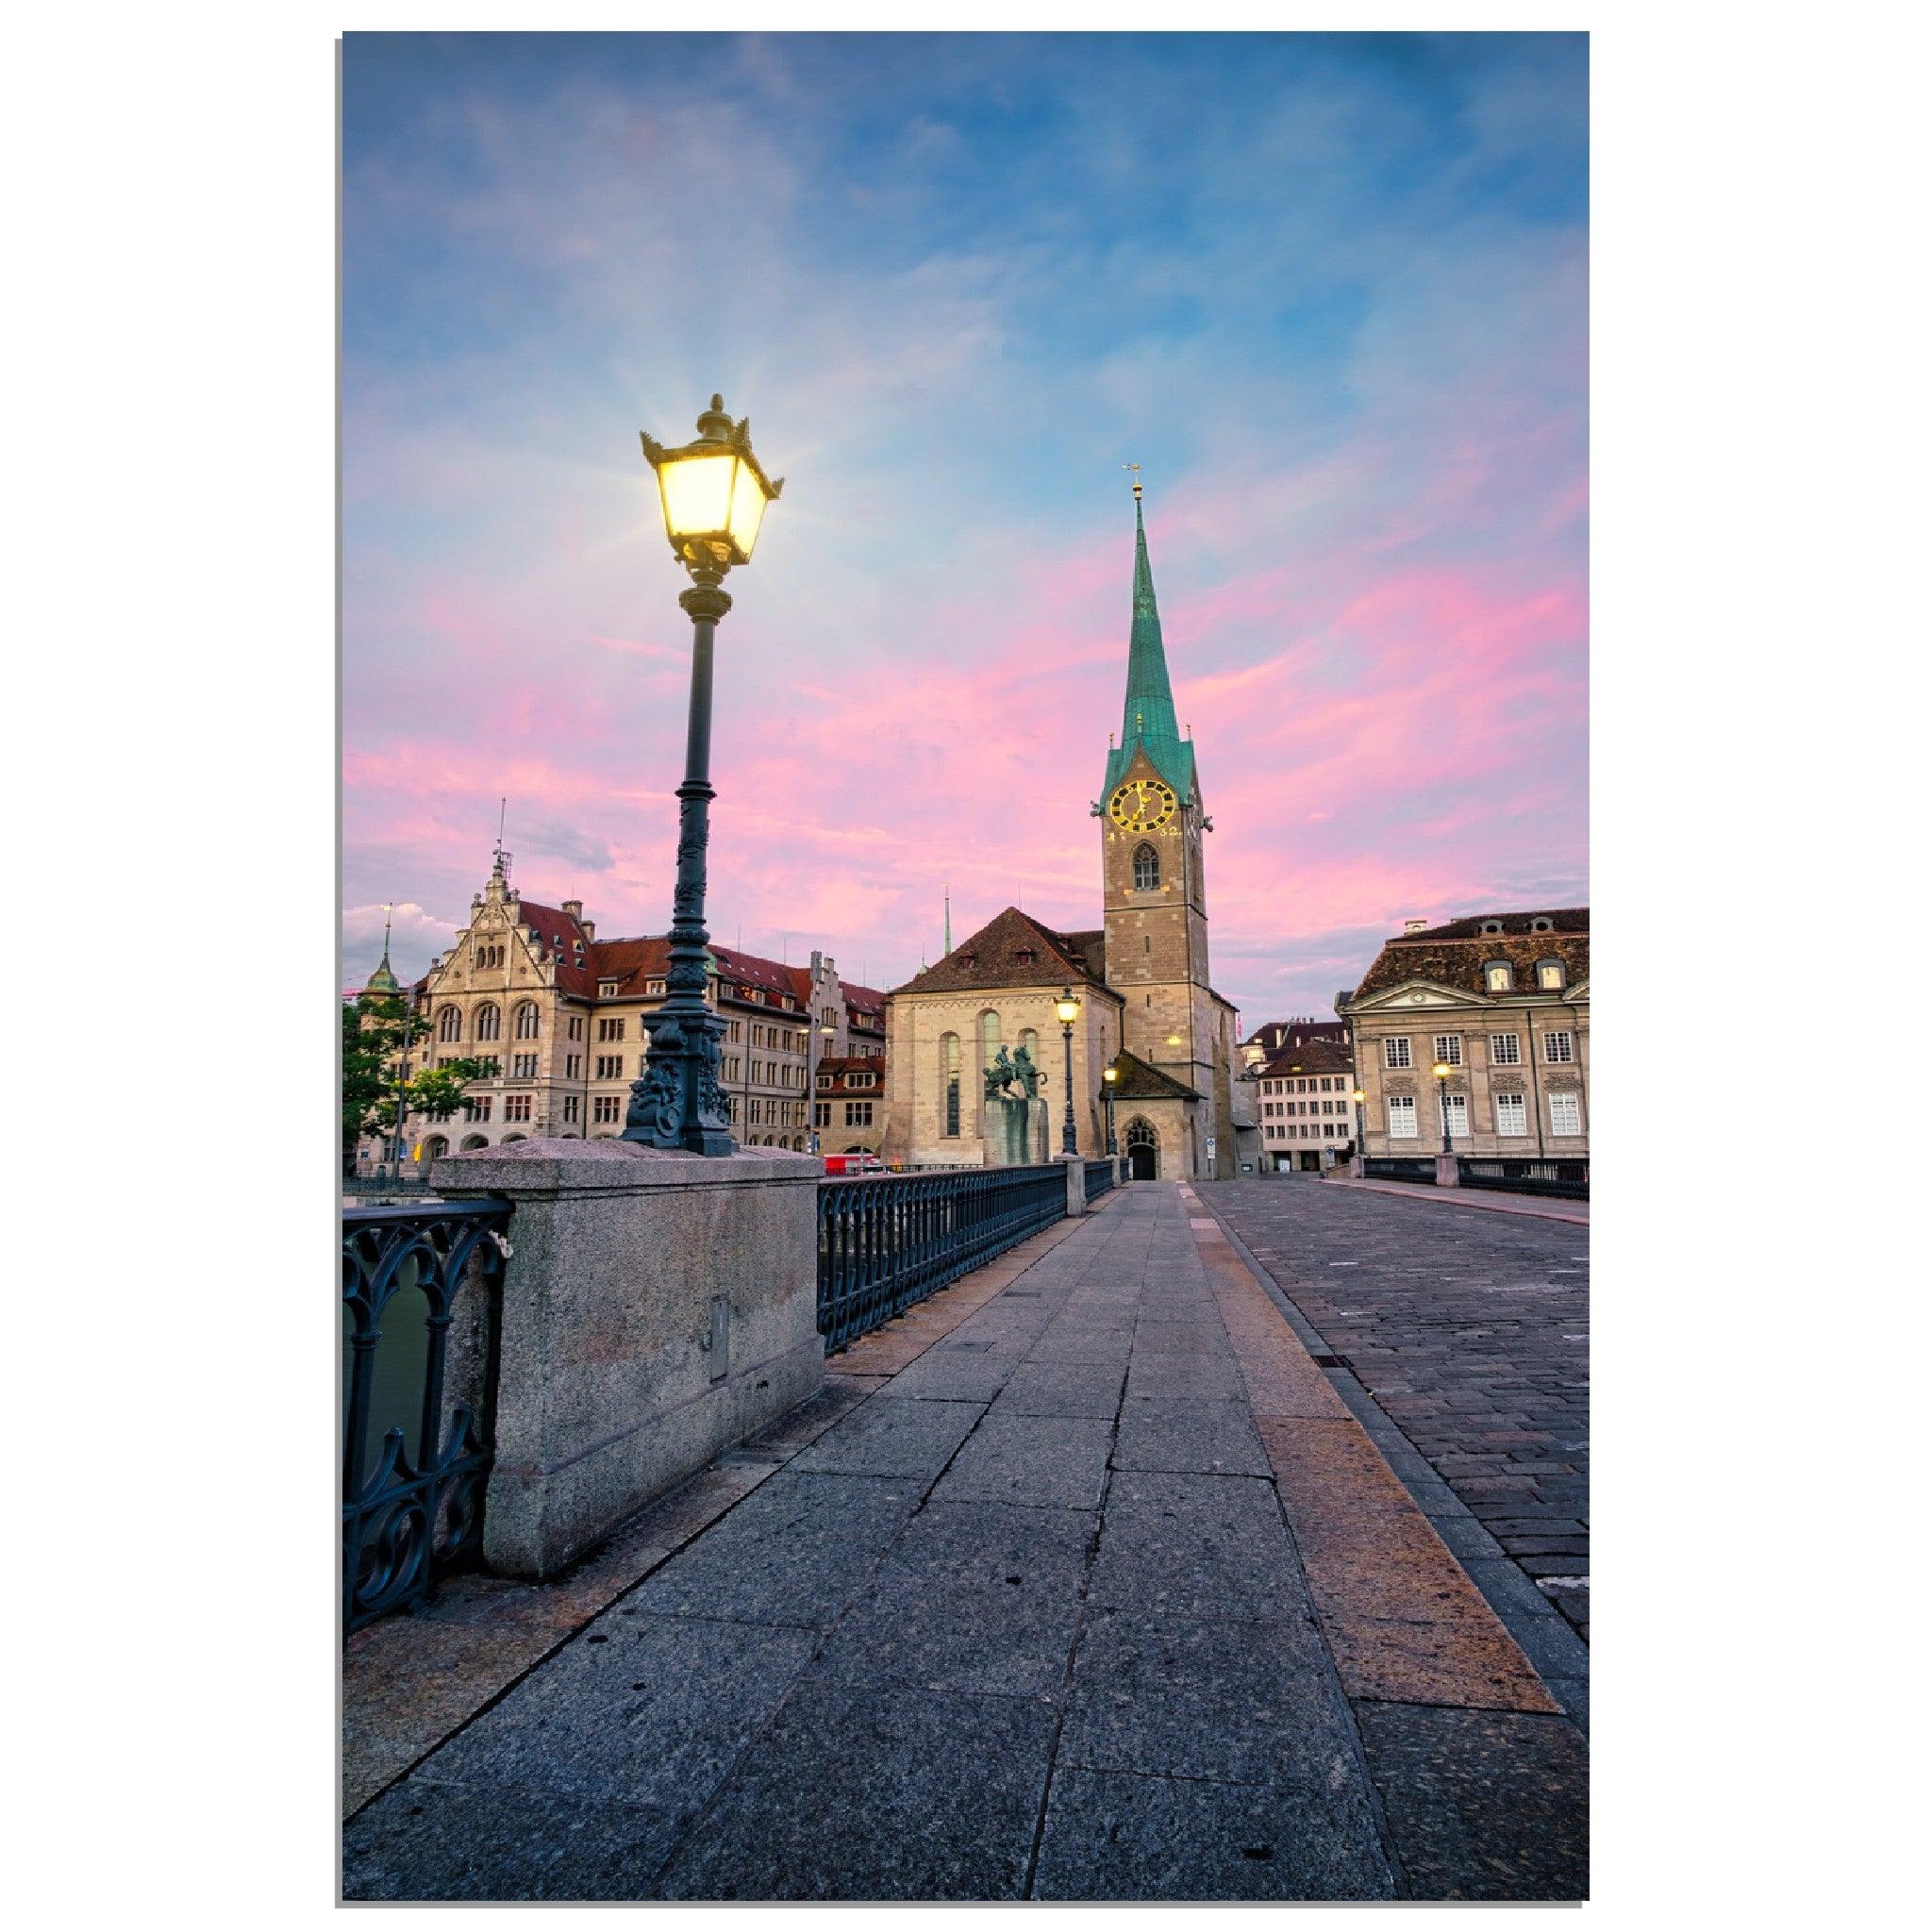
1471,1334
1080,1582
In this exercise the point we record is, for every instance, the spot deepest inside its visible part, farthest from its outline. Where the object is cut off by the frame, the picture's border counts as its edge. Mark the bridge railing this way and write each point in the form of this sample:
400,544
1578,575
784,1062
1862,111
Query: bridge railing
1401,1167
422,1322
889,1240
1101,1176
1566,1180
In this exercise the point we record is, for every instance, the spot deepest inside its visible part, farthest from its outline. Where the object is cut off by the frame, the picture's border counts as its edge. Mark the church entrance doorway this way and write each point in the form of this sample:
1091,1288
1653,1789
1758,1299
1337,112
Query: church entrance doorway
1143,1159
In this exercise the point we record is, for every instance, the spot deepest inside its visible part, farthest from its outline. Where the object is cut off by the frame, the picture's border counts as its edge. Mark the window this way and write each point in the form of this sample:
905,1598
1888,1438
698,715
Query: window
478,1109
949,1075
1402,1115
522,1066
575,1029
451,1026
653,985
1566,1113
1458,1104
1506,1050
822,1114
989,1049
605,1108
1542,925
607,989
1146,869
570,1106
1549,975
489,1022
609,1029
1497,975
573,1065
1449,1049
609,1066
858,1113
491,1066
1512,1122
1395,1053
526,1021
516,1106
1559,1048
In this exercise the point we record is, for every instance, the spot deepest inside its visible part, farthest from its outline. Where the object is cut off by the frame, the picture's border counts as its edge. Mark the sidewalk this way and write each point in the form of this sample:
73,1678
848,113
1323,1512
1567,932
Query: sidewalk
1080,1582
1543,1207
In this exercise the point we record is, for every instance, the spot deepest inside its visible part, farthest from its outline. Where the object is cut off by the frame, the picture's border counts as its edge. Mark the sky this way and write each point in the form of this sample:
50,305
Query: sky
1328,290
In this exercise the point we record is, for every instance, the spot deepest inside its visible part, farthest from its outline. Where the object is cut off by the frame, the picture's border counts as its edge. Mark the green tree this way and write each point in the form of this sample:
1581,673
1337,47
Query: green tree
377,1029
437,1093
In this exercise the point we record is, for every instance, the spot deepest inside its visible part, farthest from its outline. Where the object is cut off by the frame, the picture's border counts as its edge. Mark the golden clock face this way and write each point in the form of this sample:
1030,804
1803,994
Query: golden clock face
1141,805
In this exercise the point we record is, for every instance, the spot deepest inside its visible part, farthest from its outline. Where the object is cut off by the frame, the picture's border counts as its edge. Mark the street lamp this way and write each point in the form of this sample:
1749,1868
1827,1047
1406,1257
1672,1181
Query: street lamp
713,494
1111,1075
1361,1130
1442,1073
1067,1010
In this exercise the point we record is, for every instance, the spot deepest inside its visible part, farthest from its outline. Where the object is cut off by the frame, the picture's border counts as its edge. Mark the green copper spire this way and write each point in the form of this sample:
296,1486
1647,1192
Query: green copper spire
382,980
1148,721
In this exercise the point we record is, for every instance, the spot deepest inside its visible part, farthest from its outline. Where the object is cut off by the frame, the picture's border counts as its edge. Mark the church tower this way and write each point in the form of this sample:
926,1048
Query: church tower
1155,889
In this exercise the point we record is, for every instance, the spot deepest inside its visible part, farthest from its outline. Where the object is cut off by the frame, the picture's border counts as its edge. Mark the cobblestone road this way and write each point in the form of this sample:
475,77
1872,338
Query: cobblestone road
1078,1582
1470,1329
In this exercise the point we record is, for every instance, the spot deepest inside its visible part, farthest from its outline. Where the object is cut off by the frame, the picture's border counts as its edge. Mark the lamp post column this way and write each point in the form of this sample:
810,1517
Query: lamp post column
1069,1142
679,1102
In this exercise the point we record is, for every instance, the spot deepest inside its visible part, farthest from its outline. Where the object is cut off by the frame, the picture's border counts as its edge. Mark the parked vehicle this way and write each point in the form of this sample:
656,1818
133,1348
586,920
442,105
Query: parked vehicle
853,1163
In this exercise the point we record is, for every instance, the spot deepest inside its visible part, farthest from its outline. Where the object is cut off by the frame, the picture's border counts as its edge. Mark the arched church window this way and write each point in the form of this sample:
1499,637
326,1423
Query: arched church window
526,1020
949,1080
451,1026
989,1047
489,1022
1146,869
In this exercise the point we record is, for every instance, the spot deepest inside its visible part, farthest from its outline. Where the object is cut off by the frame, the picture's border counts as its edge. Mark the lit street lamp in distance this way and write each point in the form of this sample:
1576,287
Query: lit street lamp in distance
1067,1010
1110,1074
1441,1070
713,492
1361,1130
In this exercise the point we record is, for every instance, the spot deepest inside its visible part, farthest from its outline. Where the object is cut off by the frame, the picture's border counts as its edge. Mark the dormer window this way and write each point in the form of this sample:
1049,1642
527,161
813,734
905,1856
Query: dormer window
1491,926
607,989
1549,975
1542,925
1498,977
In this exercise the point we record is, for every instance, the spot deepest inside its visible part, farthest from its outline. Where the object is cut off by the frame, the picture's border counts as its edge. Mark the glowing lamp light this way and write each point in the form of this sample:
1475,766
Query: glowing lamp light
1109,1074
713,492
1441,1070
1360,1096
1067,1008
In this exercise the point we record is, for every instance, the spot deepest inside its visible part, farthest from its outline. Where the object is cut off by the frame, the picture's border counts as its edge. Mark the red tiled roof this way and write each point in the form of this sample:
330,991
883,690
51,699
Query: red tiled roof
1013,949
1315,1056
633,963
863,999
562,938
840,1067
1278,1035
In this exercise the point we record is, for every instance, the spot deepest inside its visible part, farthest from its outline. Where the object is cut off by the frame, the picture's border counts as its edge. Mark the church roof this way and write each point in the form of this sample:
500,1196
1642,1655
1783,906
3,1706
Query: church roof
1147,719
1140,1081
1013,949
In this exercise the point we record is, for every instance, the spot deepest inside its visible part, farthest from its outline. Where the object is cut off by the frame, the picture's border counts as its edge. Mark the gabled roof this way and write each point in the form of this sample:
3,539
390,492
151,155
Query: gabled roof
1313,1057
1013,949
1276,1036
838,1069
1140,1081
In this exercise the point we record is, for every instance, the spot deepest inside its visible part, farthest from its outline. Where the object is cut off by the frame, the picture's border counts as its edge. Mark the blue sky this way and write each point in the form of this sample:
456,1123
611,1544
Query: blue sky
1328,290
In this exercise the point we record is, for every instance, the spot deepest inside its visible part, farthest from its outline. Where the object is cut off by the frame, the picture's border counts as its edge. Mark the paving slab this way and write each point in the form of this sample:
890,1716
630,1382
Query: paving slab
900,1794
1482,1804
1188,1437
1048,1462
1117,1836
1197,1545
903,1438
1064,1388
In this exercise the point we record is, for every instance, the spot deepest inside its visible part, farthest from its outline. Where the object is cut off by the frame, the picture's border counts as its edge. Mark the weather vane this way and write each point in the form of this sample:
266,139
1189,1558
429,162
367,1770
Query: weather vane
1136,469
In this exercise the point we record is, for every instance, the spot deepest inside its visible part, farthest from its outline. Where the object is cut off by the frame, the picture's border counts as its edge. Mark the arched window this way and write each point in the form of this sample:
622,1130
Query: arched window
528,1020
1146,869
949,1081
435,1147
1030,1041
451,1026
1497,975
1549,975
989,1047
489,1022
472,1141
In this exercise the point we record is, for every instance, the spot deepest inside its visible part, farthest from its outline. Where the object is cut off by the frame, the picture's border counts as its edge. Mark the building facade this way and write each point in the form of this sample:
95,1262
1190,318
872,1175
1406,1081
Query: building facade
1308,1116
849,1104
1502,1001
556,1015
1148,1003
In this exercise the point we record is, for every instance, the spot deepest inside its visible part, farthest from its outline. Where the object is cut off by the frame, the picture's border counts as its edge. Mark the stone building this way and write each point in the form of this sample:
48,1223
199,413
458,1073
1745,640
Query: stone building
1307,1117
1278,1036
556,1013
1142,976
1503,1000
849,1104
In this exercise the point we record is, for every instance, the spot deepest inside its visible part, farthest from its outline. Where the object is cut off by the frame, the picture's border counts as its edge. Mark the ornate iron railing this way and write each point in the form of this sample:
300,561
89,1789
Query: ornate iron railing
1101,1176
1568,1180
422,1308
1400,1167
888,1241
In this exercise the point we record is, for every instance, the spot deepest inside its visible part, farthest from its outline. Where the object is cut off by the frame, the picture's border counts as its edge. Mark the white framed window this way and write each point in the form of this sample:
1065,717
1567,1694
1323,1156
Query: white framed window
1497,976
1458,1104
1395,1053
1449,1049
1559,1048
1402,1115
1506,1050
1549,975
1566,1114
1512,1120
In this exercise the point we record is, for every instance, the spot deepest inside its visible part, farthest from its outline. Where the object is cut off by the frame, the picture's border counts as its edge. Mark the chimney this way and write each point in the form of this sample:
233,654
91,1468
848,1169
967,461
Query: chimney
589,927
1415,925
574,908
